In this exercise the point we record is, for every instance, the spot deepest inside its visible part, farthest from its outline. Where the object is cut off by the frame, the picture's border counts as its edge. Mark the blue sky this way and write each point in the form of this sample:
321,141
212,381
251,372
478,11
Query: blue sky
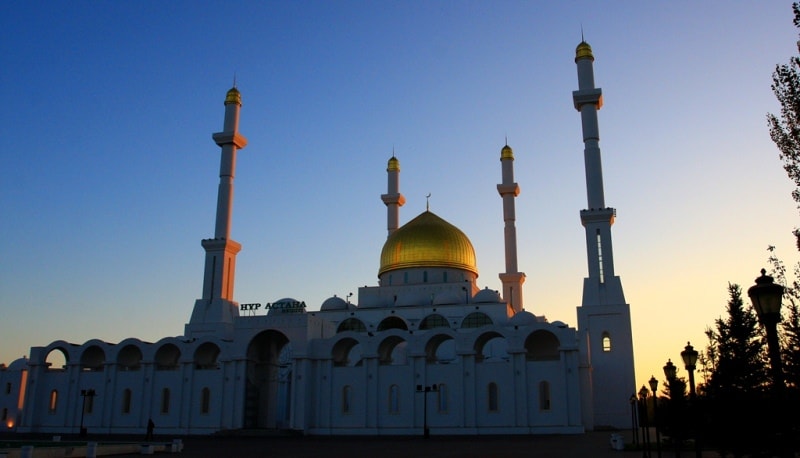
110,173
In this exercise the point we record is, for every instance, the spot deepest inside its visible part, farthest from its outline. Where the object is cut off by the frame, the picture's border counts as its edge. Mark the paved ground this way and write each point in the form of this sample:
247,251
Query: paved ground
594,445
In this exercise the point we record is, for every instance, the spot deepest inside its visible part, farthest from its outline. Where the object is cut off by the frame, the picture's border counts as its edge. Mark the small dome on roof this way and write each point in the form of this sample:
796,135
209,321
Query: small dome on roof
487,295
18,365
523,318
334,303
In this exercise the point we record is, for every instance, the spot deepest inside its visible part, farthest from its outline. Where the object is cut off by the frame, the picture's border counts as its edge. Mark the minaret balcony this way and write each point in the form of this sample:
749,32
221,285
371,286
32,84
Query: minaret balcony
588,96
598,215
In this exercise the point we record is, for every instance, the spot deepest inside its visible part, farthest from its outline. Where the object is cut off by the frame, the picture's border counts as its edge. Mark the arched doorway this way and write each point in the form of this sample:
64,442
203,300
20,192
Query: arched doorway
268,385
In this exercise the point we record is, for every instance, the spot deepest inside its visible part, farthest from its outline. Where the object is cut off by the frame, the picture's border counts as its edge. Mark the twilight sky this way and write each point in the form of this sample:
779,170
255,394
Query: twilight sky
110,173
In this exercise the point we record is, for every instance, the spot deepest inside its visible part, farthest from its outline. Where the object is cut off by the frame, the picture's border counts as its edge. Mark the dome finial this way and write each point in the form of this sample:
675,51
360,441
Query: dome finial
428,202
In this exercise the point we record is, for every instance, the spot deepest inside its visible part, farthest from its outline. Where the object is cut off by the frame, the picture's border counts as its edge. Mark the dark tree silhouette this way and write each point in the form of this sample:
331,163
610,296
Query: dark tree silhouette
785,129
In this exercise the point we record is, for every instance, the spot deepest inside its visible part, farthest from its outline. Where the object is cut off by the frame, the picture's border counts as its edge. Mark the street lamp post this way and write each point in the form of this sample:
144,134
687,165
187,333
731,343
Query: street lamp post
654,389
689,356
90,393
766,297
671,372
426,432
644,423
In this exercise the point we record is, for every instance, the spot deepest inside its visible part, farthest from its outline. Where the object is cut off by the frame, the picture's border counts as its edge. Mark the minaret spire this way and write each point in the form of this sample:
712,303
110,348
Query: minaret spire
604,319
512,279
601,287
393,199
216,307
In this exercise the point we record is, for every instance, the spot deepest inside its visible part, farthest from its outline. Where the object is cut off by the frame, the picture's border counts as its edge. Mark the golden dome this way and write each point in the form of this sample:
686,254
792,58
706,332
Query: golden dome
394,165
233,96
506,153
583,50
428,241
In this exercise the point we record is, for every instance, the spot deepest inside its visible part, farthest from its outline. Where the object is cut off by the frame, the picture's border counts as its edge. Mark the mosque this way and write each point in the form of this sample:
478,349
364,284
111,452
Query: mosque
425,351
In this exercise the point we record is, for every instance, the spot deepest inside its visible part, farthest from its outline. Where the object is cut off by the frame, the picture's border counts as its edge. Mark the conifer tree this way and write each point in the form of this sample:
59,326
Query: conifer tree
736,345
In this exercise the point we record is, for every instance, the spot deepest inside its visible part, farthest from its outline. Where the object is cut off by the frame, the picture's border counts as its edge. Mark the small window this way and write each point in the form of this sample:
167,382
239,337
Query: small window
346,393
544,396
89,400
425,277
165,401
5,414
205,401
606,342
394,399
492,397
53,401
126,400
444,277
8,388
442,398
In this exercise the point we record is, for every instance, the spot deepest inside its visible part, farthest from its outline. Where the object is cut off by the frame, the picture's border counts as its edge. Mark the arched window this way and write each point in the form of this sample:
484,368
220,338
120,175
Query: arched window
126,400
392,322
89,403
205,401
434,321
8,388
346,394
53,401
544,395
351,324
394,399
476,320
492,397
606,342
165,401
441,400
425,276
542,345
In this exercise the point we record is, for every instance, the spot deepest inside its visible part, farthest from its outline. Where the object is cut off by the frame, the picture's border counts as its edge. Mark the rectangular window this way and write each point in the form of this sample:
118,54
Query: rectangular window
493,397
394,399
346,399
165,401
89,404
126,401
544,396
600,256
53,401
442,398
205,402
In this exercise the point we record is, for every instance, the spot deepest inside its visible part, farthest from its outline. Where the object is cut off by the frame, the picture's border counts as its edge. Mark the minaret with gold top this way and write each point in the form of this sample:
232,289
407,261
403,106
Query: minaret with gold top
217,308
512,279
393,199
604,319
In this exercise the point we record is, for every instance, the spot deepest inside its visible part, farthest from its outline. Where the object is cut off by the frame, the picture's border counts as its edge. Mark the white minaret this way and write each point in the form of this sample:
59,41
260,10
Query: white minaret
215,311
604,319
393,199
512,279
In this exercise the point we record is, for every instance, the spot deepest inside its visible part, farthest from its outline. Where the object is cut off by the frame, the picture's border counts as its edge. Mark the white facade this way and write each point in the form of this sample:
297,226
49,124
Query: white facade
425,347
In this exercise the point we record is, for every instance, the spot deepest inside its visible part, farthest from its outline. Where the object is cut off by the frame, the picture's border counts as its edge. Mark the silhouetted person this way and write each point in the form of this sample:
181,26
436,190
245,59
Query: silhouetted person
150,427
